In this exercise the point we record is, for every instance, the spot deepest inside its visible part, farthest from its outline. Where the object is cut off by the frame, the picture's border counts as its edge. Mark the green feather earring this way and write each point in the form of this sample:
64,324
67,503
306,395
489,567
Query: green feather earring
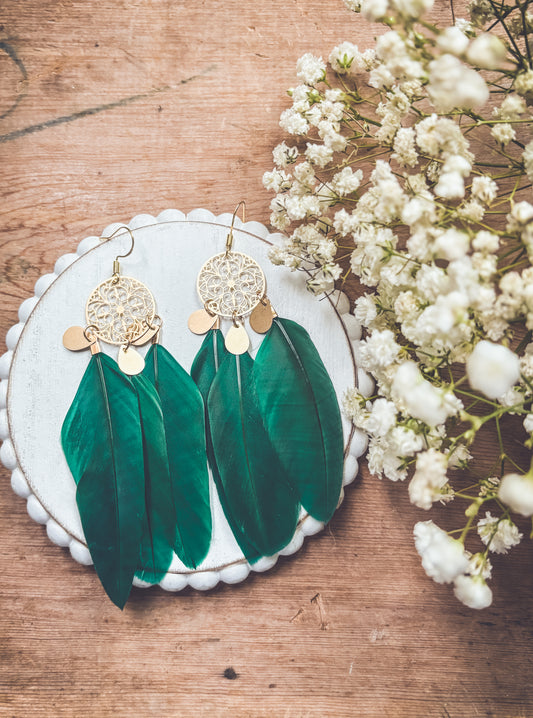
134,440
301,415
275,441
185,438
102,442
205,366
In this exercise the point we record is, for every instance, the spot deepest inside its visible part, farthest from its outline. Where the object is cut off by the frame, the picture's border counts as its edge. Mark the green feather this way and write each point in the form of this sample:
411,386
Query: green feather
184,428
159,526
301,414
102,442
205,365
260,499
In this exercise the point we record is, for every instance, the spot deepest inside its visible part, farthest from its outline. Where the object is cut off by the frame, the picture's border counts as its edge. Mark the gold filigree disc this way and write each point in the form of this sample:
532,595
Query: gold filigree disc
119,310
231,284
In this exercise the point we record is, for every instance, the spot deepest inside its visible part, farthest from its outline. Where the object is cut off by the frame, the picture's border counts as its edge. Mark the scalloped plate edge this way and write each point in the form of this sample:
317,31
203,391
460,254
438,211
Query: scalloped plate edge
203,579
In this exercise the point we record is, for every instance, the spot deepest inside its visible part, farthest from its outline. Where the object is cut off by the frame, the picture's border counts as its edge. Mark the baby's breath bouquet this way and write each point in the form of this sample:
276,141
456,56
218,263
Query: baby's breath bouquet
419,152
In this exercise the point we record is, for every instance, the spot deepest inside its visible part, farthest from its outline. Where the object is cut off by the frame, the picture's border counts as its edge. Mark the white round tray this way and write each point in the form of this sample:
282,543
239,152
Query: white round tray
39,377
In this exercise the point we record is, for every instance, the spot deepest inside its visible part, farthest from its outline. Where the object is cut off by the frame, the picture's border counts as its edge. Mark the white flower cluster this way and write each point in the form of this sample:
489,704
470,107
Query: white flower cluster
445,560
397,151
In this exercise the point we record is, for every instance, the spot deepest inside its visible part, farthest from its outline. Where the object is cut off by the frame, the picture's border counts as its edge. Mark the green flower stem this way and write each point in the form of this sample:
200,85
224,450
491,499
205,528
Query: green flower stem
523,8
490,164
504,14
517,53
467,497
516,264
478,397
493,122
508,458
429,26
471,512
500,441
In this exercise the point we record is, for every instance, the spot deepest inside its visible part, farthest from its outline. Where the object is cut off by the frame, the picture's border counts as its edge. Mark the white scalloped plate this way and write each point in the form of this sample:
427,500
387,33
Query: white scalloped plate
39,377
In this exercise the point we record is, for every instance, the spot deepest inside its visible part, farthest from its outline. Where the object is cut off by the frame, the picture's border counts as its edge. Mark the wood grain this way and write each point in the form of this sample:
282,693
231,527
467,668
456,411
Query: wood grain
111,109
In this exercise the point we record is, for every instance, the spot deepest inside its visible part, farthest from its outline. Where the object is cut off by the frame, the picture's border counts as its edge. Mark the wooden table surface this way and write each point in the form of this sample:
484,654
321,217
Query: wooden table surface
113,109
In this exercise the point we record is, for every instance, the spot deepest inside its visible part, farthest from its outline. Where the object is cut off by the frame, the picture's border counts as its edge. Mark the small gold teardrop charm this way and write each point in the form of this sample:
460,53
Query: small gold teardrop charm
200,321
146,337
237,340
262,316
74,339
130,361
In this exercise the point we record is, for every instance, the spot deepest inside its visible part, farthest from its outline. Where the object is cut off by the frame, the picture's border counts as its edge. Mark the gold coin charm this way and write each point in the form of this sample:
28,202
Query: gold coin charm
75,339
262,316
231,284
120,309
130,361
200,321
237,340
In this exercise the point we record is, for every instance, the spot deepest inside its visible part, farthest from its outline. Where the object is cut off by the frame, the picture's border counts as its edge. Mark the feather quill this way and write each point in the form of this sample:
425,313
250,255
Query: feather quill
260,500
301,415
159,526
204,368
184,428
102,442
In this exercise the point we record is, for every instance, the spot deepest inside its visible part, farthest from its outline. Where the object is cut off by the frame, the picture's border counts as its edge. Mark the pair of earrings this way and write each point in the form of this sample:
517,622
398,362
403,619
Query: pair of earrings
141,434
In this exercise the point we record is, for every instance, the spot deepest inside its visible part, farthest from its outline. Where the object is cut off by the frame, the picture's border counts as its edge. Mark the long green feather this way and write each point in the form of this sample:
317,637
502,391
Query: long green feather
184,428
205,365
301,414
159,526
255,486
102,442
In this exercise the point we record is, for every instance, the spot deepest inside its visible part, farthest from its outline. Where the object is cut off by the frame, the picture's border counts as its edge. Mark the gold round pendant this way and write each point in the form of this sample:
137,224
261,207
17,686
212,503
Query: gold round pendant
231,284
120,309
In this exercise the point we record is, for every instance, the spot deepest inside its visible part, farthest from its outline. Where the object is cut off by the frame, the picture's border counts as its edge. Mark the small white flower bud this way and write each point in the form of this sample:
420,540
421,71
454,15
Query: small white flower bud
472,591
452,40
516,491
486,51
492,369
443,558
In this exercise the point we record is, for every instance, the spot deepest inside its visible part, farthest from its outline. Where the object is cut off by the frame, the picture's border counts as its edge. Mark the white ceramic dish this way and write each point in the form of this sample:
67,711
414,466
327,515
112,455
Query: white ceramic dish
39,377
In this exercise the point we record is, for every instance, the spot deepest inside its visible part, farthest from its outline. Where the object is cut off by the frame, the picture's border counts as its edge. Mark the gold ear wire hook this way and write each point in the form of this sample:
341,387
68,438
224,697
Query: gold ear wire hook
116,263
229,240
